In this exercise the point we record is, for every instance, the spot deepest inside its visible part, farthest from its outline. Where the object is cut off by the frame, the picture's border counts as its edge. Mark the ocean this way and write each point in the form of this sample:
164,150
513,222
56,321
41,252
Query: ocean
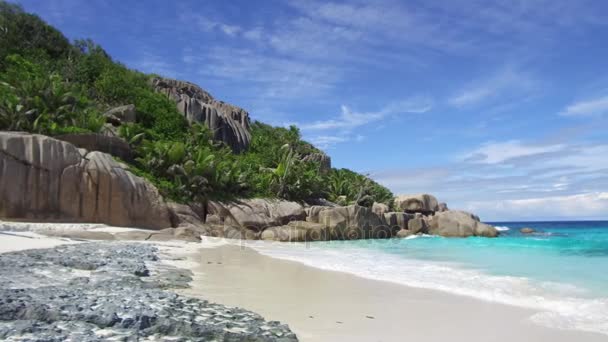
561,270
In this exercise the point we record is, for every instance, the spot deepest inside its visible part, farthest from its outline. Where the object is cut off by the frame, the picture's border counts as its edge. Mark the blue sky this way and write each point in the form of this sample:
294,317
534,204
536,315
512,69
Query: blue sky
497,107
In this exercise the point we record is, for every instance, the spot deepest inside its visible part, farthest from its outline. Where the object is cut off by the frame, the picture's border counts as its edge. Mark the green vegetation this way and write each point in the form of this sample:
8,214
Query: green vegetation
50,86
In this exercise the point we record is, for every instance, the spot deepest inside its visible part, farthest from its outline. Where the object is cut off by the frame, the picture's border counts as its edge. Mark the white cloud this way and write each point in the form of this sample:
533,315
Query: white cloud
501,85
592,107
583,206
349,119
326,141
498,152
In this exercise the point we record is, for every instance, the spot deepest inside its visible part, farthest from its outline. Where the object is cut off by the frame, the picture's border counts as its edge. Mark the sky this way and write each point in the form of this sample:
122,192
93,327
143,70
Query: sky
495,107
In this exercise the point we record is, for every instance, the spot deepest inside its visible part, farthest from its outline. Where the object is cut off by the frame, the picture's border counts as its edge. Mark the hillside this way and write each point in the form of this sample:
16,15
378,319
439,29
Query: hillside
190,145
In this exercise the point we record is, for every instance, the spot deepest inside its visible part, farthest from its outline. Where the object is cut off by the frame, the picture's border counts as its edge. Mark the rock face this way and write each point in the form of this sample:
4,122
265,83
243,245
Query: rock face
42,178
354,222
323,159
417,225
527,231
421,203
228,123
120,115
98,142
399,220
380,208
297,231
257,214
459,224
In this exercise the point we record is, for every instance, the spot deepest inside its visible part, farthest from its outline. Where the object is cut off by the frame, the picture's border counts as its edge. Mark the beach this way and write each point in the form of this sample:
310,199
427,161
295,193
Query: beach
322,305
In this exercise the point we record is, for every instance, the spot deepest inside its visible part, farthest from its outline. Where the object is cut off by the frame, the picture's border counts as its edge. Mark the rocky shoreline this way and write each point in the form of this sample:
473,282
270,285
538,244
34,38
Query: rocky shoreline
114,291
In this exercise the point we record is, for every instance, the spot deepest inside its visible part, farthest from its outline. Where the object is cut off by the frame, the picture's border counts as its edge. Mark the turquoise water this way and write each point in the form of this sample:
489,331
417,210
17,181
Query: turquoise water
574,253
561,270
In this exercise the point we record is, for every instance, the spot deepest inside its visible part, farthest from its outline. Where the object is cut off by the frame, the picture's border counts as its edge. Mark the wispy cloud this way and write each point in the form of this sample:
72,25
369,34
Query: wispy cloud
349,119
499,152
592,107
585,206
501,86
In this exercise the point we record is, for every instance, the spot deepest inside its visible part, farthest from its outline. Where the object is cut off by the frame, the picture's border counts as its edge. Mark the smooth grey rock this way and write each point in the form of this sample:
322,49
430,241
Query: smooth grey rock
297,231
42,178
403,233
423,203
122,114
354,222
257,214
459,224
417,225
380,209
115,146
397,219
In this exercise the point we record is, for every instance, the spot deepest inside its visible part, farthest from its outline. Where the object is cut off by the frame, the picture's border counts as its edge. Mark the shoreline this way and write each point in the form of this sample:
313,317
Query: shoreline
329,305
322,305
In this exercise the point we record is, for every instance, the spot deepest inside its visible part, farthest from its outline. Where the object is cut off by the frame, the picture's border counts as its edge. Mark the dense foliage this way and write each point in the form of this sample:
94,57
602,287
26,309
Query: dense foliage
50,86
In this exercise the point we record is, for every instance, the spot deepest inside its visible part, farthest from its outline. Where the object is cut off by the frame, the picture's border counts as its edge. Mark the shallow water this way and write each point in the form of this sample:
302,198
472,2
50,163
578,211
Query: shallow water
561,270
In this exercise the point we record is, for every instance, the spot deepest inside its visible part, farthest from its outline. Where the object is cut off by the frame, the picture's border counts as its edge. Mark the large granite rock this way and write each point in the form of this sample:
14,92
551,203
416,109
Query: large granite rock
257,214
323,159
312,213
297,231
228,123
380,209
183,215
420,203
354,222
42,178
453,223
121,115
98,142
418,224
397,219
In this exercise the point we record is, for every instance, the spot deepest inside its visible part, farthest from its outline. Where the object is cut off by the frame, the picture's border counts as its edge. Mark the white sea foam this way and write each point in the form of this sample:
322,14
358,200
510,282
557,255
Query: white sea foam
502,228
559,305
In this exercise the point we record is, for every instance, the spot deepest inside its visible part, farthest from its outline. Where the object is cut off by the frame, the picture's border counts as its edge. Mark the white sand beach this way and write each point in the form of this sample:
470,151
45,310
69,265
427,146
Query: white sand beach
322,305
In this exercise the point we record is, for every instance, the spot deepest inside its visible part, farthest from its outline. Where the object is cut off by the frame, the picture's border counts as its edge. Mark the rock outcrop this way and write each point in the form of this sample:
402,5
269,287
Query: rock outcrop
400,220
98,142
417,224
297,231
42,178
323,159
380,209
229,124
120,115
257,214
527,230
459,224
420,203
354,222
